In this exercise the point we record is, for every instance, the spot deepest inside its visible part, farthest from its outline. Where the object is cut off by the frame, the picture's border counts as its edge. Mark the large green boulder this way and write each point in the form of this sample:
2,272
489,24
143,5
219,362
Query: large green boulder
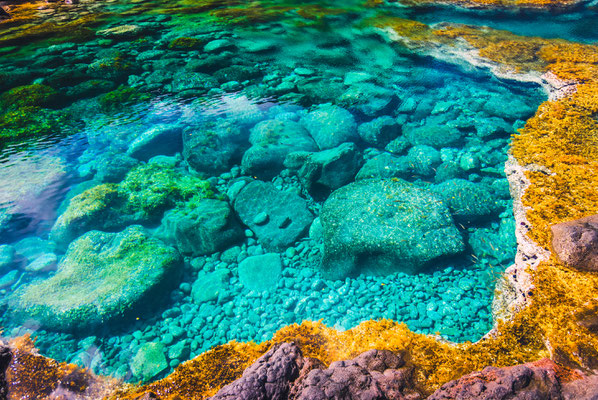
381,226
102,277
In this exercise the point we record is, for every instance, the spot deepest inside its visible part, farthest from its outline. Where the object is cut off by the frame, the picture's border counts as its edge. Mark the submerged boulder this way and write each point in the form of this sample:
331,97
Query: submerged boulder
277,217
272,140
260,272
327,169
202,227
102,277
380,226
214,145
330,126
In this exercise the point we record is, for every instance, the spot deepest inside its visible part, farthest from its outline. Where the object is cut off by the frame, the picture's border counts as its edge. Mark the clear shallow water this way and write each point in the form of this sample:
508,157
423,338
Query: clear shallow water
152,116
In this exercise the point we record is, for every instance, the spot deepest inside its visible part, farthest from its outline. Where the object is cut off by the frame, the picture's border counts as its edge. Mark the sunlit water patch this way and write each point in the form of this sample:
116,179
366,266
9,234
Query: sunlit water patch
217,182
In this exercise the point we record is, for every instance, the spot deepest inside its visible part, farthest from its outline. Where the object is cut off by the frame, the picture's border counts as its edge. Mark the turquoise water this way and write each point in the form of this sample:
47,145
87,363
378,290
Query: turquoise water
249,176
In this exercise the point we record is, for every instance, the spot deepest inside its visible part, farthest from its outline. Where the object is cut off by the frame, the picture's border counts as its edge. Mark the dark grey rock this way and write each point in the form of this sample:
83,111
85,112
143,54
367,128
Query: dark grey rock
288,215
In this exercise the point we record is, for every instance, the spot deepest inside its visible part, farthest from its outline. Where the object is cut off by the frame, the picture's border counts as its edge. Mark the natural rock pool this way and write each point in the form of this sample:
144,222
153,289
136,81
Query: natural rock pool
176,177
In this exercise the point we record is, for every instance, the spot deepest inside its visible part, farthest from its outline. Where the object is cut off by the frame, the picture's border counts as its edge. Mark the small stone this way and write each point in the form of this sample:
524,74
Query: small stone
149,361
576,242
260,272
260,219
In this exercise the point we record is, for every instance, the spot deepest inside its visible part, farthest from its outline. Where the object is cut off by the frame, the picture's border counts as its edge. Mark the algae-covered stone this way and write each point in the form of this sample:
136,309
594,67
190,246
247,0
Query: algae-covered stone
380,131
202,226
260,272
386,165
380,226
149,361
102,277
287,214
330,126
207,287
467,201
145,193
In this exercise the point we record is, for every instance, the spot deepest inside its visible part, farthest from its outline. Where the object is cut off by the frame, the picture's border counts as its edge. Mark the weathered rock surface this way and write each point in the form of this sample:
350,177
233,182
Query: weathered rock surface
378,227
531,381
278,218
102,277
269,378
576,242
373,375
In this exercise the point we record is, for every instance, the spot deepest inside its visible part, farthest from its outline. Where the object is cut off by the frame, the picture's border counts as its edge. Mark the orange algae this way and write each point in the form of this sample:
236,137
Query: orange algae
32,376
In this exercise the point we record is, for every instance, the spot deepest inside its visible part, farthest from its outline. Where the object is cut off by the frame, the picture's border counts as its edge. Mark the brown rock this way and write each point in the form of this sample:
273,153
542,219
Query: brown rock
531,381
373,375
269,378
576,243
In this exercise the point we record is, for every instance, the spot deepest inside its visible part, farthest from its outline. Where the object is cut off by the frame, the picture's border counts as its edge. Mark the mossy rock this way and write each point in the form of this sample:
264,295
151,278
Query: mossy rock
185,43
35,95
102,277
122,96
31,122
142,197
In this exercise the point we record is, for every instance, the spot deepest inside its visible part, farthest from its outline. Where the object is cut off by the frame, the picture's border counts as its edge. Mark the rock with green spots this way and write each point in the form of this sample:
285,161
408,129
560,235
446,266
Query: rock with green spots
142,197
149,361
468,201
35,95
381,226
102,277
31,122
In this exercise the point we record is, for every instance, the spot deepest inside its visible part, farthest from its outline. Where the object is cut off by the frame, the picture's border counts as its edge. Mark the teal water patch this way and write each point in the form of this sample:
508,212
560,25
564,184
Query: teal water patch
302,167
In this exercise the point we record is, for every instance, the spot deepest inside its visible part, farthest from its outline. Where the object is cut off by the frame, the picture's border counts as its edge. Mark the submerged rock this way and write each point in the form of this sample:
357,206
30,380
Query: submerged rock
467,201
260,272
328,169
158,140
202,227
286,214
330,126
149,361
379,227
576,242
207,287
272,140
102,277
214,145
